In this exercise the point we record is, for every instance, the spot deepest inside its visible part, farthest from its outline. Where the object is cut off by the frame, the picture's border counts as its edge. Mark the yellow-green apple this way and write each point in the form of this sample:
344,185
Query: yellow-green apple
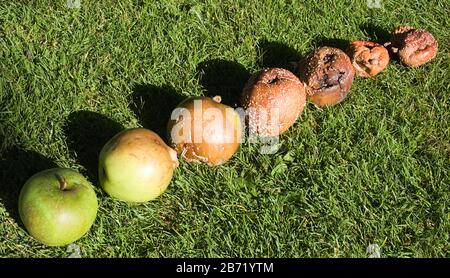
57,206
136,165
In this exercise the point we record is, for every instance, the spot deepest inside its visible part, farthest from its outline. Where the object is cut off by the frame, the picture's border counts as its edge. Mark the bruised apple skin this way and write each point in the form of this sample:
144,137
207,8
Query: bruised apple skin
203,130
368,58
328,74
136,165
414,47
274,98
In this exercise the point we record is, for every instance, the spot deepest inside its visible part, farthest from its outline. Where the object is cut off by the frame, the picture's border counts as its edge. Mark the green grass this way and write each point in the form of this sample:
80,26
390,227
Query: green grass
372,170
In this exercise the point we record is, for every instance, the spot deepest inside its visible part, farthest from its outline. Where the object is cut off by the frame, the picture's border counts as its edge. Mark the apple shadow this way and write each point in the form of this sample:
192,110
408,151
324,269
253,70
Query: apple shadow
381,36
87,132
224,78
16,166
376,33
321,41
153,106
278,55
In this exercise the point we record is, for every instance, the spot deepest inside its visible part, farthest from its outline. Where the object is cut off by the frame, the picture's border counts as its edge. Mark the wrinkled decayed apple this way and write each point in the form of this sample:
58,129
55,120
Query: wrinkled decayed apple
136,165
414,47
368,58
57,206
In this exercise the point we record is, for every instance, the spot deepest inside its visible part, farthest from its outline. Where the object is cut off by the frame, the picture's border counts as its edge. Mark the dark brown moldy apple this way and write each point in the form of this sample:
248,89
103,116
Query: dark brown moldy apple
328,74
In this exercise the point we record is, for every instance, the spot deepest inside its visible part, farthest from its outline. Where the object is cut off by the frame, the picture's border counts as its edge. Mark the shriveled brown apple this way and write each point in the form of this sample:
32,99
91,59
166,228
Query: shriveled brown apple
414,47
201,129
274,98
328,74
368,58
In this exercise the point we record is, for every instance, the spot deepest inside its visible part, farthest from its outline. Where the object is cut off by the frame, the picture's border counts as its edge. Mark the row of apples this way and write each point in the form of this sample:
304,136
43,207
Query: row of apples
58,206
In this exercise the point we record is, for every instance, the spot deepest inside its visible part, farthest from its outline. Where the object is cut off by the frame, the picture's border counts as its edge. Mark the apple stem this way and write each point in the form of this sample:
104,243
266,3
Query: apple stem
62,182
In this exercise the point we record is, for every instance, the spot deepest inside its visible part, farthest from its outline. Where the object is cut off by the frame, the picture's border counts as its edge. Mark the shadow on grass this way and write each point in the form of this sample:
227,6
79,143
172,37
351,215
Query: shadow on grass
223,78
87,132
381,36
153,106
320,41
376,33
16,166
278,55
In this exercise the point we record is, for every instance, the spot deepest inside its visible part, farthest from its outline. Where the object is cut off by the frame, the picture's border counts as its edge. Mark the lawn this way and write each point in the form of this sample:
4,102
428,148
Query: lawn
372,170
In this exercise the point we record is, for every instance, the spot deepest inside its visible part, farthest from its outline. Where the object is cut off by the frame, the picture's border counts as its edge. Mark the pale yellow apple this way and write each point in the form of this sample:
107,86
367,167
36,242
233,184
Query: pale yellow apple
136,165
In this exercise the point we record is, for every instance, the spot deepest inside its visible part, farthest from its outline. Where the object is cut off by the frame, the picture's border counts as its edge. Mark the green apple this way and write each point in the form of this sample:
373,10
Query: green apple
57,206
136,165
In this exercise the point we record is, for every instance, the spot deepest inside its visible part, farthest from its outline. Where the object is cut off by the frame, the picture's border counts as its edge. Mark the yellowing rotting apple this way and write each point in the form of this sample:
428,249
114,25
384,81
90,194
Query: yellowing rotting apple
57,206
201,129
136,165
